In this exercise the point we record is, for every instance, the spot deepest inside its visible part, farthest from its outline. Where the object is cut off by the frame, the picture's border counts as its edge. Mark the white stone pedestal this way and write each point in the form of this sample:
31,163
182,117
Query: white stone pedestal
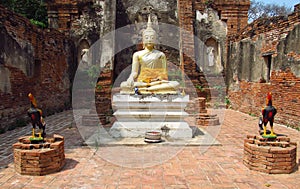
137,114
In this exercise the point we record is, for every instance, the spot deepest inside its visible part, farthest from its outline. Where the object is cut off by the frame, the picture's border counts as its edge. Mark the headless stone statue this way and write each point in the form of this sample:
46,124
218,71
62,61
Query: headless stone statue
149,74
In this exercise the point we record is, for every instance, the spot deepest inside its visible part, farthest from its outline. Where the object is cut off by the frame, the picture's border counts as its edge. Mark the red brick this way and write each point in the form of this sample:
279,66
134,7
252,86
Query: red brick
280,150
51,71
40,161
274,171
283,139
266,158
282,155
250,141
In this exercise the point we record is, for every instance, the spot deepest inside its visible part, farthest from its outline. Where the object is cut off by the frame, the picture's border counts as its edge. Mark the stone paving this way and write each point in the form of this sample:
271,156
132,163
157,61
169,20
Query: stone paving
130,167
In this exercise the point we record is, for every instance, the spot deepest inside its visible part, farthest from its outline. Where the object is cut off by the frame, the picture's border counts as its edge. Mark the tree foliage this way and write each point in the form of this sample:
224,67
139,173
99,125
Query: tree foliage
259,9
35,10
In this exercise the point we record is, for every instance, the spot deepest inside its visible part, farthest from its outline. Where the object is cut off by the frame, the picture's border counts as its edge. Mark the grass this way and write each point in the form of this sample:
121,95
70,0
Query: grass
20,122
11,127
199,87
252,114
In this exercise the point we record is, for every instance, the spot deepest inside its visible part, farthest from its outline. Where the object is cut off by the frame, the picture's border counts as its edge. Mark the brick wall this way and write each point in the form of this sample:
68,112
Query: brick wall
38,61
276,39
61,13
285,87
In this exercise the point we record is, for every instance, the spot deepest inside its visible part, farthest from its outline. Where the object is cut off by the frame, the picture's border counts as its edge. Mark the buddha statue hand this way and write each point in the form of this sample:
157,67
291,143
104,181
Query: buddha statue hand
144,84
130,82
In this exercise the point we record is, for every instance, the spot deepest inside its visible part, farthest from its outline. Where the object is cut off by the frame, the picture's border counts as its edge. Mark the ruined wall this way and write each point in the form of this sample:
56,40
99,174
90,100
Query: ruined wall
265,57
233,12
86,22
177,12
231,17
83,21
215,20
61,13
32,60
212,32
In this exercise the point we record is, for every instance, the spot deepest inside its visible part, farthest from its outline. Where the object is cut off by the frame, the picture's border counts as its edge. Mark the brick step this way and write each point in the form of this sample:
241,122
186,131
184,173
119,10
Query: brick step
206,116
208,122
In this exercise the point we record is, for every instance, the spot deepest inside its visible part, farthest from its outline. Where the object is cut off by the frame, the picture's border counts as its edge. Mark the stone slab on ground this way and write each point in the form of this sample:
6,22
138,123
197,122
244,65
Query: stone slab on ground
103,137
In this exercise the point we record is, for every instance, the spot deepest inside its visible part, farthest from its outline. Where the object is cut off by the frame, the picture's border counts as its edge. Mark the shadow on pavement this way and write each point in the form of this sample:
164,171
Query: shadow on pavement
70,164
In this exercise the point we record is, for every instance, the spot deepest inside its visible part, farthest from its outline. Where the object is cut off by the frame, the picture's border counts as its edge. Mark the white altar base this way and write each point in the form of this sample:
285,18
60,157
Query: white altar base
137,114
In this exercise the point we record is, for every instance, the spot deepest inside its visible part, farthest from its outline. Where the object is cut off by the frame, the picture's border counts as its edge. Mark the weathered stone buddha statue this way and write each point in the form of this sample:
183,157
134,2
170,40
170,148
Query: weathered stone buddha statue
149,74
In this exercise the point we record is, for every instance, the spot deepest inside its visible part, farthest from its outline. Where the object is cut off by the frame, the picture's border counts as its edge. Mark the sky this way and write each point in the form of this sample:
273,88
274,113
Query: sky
287,3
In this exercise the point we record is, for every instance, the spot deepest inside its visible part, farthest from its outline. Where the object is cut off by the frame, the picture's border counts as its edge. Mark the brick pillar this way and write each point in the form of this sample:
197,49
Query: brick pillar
201,103
187,54
186,17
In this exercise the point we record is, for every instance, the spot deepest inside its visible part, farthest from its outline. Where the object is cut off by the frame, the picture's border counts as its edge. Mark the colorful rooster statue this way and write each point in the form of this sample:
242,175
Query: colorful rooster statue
268,114
35,115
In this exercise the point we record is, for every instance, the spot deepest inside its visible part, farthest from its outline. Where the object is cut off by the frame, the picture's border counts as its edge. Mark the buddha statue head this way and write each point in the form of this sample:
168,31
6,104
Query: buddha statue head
149,34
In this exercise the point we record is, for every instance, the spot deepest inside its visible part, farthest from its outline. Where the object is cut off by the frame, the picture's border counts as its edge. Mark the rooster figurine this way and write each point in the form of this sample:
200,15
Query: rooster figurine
35,115
268,114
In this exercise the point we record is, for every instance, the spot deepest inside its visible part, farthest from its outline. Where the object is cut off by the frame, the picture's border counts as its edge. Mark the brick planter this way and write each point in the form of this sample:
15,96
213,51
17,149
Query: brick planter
273,156
39,159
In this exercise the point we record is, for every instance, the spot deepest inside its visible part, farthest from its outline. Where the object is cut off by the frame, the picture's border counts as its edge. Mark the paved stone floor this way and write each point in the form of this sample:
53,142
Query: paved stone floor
186,167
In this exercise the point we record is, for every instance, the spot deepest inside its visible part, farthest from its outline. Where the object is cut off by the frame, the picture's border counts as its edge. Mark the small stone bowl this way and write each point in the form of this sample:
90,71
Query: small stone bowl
153,136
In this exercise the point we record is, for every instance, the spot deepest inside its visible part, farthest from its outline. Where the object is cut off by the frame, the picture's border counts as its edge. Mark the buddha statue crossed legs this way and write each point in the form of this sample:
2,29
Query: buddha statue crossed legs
149,72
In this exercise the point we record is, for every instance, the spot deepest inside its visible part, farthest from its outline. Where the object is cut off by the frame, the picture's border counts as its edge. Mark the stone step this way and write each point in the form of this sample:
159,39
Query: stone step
138,129
140,115
137,114
149,106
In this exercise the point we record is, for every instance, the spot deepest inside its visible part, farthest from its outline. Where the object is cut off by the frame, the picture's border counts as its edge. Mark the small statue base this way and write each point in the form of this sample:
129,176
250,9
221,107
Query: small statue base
269,136
204,118
270,155
36,139
41,158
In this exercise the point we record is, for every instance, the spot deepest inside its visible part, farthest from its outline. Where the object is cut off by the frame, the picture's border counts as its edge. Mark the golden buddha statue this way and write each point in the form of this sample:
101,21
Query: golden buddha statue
149,74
